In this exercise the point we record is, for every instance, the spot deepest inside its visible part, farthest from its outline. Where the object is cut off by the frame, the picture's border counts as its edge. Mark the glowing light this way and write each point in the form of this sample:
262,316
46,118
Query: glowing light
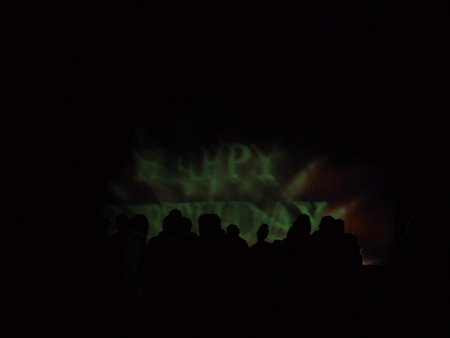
247,185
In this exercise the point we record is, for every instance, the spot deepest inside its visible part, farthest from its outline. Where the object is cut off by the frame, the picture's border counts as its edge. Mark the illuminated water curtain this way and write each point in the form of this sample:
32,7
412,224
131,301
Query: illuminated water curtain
244,184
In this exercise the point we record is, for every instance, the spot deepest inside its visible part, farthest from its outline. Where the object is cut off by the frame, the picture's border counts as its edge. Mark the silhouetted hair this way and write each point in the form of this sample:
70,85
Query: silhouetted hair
339,226
171,226
215,222
301,227
175,213
263,232
121,222
140,223
327,224
233,230
185,225
203,224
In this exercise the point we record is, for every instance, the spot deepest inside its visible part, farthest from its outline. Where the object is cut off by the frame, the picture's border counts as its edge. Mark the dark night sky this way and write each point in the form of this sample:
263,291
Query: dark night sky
358,81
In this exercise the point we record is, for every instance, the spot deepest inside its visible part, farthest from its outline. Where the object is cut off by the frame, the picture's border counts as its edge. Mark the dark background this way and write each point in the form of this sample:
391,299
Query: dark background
367,81
360,81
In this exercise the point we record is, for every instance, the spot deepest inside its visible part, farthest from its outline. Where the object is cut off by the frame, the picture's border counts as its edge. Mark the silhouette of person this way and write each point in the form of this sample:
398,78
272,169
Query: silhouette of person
215,266
261,254
323,246
101,248
119,244
239,244
298,247
186,247
239,249
261,245
204,229
178,265
419,281
186,227
100,238
219,245
348,250
162,256
102,260
158,245
136,267
175,213
120,237
261,277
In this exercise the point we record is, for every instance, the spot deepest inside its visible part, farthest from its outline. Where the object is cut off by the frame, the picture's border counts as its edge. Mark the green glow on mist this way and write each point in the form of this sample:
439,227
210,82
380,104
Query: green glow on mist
242,184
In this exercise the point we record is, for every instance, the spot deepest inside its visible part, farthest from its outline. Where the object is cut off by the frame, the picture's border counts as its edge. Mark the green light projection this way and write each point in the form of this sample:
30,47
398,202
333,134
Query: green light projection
250,184
243,184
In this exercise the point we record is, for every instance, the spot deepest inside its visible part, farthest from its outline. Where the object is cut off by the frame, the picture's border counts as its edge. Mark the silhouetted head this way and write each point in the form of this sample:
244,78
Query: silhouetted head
302,226
122,223
233,230
327,224
203,228
171,226
175,213
215,222
276,246
185,225
262,232
339,226
140,223
351,240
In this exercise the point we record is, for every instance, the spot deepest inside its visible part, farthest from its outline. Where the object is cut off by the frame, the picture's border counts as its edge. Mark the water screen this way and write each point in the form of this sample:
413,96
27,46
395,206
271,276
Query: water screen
249,184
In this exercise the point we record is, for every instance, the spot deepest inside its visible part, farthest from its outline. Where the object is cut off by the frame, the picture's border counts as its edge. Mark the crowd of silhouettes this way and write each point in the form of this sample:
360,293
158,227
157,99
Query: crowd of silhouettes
214,254
312,281
192,275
